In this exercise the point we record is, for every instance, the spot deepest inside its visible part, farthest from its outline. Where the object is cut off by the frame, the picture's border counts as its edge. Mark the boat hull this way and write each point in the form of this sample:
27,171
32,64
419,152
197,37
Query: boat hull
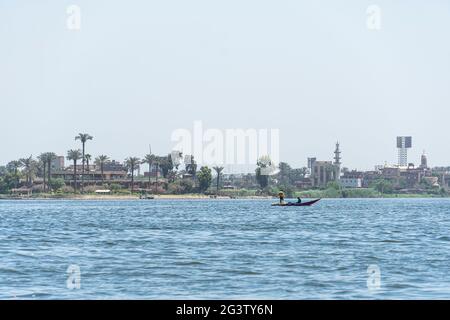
295,204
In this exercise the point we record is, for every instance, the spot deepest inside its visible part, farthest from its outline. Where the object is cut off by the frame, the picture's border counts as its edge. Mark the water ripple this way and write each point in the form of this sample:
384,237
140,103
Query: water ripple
221,249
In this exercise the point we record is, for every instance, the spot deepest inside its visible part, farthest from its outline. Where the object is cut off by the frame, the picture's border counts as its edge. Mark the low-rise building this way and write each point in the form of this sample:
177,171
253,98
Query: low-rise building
322,172
112,172
350,182
57,163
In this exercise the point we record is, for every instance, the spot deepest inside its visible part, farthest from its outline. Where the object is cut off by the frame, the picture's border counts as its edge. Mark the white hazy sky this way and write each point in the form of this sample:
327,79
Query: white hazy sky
138,70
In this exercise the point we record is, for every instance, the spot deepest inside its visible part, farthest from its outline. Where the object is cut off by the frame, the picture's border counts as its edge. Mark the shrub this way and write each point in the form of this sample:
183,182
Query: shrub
114,187
67,189
57,184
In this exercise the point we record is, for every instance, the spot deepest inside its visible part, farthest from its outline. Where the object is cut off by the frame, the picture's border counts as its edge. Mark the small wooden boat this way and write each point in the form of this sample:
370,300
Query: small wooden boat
296,204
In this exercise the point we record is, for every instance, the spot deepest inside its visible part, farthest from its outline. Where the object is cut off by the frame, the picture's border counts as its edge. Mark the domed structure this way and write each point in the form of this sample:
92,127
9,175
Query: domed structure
424,161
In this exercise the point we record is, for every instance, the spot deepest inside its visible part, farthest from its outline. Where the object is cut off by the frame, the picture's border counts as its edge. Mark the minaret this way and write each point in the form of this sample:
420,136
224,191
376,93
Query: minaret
337,162
424,161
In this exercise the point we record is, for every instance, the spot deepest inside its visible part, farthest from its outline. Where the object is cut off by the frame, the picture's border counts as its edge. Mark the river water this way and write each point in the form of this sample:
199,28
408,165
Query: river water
225,249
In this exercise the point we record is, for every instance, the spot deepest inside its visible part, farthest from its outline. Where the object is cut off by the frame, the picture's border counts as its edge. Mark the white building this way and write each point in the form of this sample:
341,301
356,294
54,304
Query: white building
351,182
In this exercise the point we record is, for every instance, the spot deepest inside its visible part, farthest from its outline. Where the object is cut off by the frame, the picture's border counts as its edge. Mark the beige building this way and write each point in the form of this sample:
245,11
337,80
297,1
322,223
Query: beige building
322,172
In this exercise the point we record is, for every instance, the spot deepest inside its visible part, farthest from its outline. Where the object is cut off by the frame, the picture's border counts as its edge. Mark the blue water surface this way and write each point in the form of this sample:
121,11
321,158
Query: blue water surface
225,249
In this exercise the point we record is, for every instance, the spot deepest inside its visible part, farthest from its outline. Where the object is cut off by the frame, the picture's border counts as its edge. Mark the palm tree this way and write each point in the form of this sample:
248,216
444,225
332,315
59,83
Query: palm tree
218,171
83,137
157,160
100,161
88,158
50,156
13,167
29,166
150,159
46,159
74,155
132,164
43,161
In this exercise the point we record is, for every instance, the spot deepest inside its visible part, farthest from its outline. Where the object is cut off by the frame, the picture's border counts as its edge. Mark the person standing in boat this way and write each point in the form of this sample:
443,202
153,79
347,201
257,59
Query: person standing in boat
299,200
281,196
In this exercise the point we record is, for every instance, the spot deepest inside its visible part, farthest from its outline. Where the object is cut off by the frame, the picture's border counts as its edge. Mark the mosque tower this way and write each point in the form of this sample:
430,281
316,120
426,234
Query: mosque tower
337,162
424,161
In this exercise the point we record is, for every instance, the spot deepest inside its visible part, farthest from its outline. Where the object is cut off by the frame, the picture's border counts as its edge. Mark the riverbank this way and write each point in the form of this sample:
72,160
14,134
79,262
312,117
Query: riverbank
364,193
200,197
125,197
329,193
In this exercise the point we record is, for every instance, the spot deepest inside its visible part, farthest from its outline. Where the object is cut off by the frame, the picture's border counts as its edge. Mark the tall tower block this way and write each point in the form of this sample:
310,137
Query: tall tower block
403,144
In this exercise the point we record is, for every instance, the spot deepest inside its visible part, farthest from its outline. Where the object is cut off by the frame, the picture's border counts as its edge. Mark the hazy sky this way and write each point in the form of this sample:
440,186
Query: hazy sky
138,70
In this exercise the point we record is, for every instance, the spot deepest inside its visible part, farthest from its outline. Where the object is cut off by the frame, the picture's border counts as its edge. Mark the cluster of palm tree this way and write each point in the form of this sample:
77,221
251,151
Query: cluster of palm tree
76,154
30,168
100,161
46,159
133,163
83,137
43,166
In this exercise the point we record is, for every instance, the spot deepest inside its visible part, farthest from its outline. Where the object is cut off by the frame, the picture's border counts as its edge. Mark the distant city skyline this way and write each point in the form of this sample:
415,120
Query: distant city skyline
133,74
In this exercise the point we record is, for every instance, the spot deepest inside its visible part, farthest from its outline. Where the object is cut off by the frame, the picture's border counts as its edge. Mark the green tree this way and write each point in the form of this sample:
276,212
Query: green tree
43,163
74,155
187,185
132,164
298,174
3,185
83,137
218,171
50,157
204,177
88,159
150,159
166,165
100,161
264,169
333,190
284,175
57,184
13,168
7,182
115,187
333,185
30,168
181,186
46,159
383,186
